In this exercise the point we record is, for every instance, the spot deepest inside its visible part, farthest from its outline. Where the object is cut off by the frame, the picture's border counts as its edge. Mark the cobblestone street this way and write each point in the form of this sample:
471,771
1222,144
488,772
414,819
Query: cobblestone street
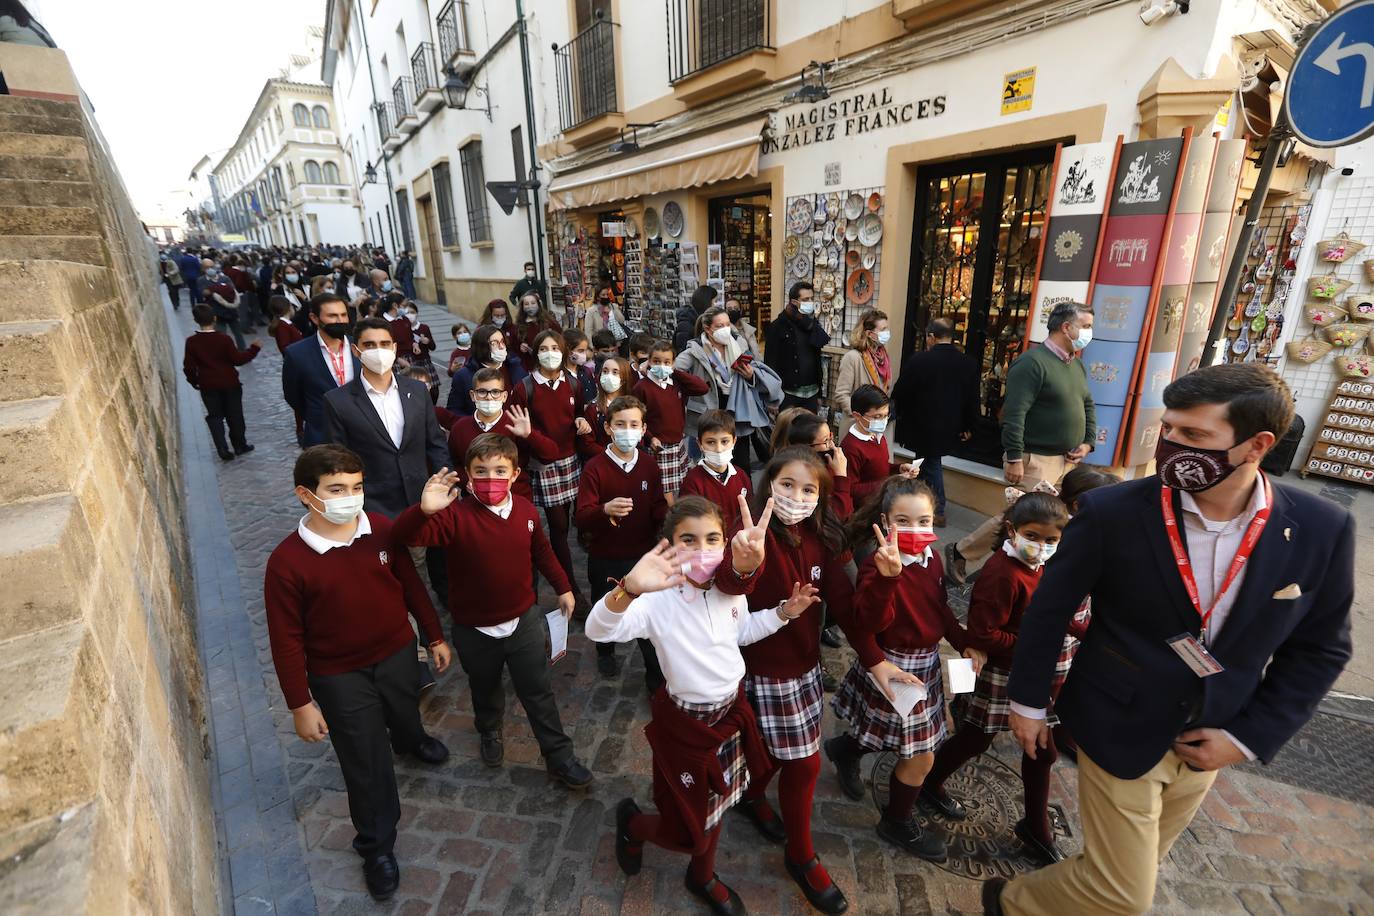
475,840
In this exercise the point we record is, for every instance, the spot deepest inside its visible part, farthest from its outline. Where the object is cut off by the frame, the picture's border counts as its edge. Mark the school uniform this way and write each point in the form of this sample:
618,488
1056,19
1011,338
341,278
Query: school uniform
869,463
209,364
286,334
553,405
591,446
502,629
340,634
666,420
721,488
466,429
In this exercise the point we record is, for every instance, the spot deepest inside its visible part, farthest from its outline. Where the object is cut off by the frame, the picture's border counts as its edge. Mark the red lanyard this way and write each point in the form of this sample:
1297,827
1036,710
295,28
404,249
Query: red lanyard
338,363
1185,568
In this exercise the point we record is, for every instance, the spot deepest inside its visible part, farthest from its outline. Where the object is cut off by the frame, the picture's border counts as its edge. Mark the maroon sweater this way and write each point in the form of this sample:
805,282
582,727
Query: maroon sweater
906,612
552,410
465,429
344,609
489,579
210,360
796,648
999,598
405,339
525,332
869,466
633,535
703,482
667,418
286,334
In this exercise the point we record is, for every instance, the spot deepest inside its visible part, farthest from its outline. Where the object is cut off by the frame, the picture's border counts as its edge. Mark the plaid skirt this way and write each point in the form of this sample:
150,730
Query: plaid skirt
789,711
989,708
730,755
555,484
673,465
875,724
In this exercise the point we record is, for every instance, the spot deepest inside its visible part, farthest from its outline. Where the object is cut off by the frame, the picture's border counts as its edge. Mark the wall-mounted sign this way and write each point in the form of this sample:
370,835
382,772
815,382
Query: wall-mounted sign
850,116
832,174
1018,90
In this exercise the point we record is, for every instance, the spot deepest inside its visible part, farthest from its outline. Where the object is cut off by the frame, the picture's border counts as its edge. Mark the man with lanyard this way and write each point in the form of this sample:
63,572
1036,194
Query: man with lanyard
1221,616
316,365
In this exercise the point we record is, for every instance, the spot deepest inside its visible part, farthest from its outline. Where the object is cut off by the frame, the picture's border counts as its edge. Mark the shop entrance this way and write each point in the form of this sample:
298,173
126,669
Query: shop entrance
741,226
977,237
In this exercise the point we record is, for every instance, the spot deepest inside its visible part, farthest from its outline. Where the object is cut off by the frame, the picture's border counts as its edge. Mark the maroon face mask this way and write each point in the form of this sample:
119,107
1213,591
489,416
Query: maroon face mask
1192,469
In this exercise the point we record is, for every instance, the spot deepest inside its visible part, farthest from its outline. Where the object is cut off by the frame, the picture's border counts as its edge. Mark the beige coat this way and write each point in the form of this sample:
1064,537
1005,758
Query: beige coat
590,320
850,375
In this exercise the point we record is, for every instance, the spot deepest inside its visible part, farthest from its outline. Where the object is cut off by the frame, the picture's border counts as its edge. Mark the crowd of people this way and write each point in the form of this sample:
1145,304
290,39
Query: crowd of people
1116,623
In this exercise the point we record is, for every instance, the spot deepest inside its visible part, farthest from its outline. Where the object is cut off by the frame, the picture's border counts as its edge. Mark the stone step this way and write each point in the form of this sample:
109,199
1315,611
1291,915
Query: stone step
24,123
16,192
30,145
43,168
53,289
45,549
29,353
48,221
42,108
82,249
36,446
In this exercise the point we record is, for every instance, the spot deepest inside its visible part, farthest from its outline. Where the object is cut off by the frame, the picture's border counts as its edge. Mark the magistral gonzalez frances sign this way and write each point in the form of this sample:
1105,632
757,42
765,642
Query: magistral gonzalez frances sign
850,116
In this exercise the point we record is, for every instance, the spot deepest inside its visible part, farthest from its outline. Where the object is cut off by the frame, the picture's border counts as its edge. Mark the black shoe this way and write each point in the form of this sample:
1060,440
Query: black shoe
607,665
430,750
924,844
730,906
847,769
771,827
248,447
992,896
940,802
493,751
572,774
830,901
629,859
1046,853
383,876
956,568
828,682
831,637
226,455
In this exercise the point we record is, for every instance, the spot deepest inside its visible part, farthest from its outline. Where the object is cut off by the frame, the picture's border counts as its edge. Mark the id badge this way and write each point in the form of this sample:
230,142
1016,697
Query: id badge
1195,655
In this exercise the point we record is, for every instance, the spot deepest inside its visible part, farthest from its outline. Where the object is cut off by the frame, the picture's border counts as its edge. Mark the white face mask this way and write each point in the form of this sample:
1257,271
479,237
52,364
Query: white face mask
808,307
498,321
661,372
718,460
530,273
550,359
1085,337
792,511
1034,553
627,439
531,309
877,427
414,321
498,355
610,383
722,335
341,509
378,361
884,337
488,408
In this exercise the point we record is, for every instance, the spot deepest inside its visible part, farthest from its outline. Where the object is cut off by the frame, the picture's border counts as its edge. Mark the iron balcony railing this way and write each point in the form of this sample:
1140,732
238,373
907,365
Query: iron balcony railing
402,99
585,69
703,33
386,124
423,70
452,26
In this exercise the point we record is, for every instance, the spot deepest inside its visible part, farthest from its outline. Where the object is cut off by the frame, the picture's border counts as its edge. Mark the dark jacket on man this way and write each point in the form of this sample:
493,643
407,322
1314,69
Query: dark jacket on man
935,399
792,346
305,379
395,476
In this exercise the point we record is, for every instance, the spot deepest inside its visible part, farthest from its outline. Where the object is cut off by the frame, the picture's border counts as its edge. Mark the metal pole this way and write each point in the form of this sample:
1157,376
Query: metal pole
537,240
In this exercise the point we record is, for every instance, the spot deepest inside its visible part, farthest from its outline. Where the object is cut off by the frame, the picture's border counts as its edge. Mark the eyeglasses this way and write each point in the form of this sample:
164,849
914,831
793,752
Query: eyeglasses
488,393
824,445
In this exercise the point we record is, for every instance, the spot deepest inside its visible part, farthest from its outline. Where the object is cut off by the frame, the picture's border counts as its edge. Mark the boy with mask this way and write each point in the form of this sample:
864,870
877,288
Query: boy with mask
865,445
665,391
491,416
715,477
210,365
337,592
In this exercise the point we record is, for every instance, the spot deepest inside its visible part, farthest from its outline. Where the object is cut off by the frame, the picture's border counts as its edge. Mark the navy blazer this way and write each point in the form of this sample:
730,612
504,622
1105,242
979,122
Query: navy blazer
306,379
1128,695
393,478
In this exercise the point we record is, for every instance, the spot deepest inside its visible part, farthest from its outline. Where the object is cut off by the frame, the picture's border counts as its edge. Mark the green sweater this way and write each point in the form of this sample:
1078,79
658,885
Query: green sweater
1048,410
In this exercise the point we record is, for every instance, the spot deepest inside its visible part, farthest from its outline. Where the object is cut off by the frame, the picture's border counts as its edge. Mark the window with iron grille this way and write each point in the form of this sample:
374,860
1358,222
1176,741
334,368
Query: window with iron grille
475,192
443,196
403,214
517,147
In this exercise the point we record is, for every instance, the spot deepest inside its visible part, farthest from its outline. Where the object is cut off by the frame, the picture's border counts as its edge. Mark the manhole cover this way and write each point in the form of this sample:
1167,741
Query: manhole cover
982,846
1330,754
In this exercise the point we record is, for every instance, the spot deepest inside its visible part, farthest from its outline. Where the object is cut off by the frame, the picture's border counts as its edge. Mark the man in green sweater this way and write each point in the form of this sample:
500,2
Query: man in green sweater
1048,422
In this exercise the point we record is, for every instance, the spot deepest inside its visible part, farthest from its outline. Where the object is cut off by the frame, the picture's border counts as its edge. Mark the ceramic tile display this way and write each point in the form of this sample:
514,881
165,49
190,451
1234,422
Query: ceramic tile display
1126,284
1344,444
1081,188
834,241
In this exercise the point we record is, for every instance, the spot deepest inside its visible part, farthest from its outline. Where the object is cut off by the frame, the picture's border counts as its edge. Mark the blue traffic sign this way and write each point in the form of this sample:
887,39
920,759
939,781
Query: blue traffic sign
1330,93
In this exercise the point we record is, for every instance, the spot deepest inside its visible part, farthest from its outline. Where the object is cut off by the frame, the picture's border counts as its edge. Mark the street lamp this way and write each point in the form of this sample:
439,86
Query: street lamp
370,173
457,87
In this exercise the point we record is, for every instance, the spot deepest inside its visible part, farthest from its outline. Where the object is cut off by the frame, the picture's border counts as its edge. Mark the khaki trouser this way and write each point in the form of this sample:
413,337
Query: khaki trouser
1128,827
979,544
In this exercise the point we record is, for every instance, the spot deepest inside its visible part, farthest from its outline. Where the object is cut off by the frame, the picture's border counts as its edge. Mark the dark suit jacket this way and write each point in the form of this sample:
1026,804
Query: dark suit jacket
305,380
936,399
392,477
1128,695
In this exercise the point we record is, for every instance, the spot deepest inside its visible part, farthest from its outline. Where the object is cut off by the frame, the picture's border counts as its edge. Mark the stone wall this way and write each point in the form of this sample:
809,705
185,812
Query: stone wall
105,800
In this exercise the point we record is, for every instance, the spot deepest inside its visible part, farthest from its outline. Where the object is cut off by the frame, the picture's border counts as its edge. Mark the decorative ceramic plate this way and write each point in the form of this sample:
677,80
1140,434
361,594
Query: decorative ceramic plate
790,246
631,227
853,206
870,259
673,220
851,231
799,215
875,202
870,230
860,287
851,259
651,225
801,266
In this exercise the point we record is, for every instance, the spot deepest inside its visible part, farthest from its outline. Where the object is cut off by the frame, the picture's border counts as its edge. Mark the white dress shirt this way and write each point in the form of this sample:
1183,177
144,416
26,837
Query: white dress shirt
321,544
722,476
626,466
501,630
326,354
548,382
388,406
697,634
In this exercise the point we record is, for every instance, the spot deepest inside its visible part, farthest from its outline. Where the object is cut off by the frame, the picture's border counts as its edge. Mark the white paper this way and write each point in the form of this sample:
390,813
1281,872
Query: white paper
904,696
558,635
959,675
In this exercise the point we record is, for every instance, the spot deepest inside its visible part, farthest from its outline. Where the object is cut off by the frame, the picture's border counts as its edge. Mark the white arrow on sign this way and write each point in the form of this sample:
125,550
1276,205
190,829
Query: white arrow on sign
1330,61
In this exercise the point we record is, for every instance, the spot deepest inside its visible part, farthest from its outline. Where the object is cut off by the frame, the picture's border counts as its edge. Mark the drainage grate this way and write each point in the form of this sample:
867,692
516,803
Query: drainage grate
1331,754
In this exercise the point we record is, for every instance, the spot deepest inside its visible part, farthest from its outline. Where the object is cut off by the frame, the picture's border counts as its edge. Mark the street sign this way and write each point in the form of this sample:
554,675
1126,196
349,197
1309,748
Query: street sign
1330,94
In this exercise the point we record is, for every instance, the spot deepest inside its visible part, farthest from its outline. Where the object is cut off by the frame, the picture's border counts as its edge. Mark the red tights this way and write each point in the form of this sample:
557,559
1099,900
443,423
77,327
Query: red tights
643,828
968,743
796,789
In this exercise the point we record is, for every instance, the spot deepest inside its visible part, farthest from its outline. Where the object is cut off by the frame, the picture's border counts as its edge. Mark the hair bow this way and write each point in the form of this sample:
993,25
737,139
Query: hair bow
1012,494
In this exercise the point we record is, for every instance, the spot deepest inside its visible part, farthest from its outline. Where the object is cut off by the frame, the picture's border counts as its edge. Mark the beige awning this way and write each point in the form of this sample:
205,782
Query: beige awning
705,159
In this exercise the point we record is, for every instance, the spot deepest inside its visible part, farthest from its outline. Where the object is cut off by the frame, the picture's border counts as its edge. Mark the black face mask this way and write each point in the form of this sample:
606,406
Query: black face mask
336,329
349,273
735,315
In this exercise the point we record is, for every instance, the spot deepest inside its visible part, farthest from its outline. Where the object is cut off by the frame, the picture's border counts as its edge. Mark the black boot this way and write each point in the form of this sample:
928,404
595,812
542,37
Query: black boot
846,763
216,425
